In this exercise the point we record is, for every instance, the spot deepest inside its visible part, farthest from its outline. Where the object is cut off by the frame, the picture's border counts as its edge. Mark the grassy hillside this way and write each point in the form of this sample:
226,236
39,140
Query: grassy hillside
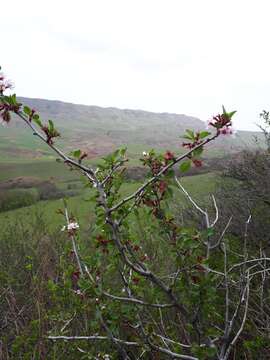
100,130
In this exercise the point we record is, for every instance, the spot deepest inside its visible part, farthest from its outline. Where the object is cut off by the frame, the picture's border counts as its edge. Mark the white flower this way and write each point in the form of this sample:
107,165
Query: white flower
71,226
145,153
106,357
78,292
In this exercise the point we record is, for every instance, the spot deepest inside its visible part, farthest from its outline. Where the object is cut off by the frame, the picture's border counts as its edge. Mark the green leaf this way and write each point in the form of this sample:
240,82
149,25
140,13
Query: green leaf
76,153
185,166
198,151
27,110
37,120
189,134
123,151
230,114
204,134
13,99
51,125
28,266
223,109
187,137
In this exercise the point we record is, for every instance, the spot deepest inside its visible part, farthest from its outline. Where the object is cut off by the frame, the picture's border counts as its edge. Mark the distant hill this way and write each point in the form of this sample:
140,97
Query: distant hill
100,130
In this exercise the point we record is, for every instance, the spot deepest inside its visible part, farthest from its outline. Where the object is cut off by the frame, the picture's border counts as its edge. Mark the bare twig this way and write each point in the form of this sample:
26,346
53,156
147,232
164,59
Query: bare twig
93,338
232,343
222,235
137,301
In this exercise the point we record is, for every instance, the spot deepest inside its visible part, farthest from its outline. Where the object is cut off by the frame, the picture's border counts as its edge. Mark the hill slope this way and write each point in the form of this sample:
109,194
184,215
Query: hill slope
99,130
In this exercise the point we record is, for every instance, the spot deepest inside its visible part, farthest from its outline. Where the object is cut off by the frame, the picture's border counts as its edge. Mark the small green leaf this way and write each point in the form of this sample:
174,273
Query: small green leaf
223,109
189,134
123,151
51,125
37,120
13,99
28,267
187,137
230,114
204,134
185,166
27,110
76,153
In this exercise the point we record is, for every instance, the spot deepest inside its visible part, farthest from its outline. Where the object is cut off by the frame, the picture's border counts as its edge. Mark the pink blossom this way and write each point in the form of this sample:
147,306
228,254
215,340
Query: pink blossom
4,83
71,226
227,130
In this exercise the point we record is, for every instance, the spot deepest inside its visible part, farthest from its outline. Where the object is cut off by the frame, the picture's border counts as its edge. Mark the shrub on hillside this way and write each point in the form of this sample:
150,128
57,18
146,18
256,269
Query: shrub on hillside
14,199
48,190
245,190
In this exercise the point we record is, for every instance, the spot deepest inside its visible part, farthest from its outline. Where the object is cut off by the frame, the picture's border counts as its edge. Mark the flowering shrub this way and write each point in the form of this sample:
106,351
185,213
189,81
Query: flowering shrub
150,287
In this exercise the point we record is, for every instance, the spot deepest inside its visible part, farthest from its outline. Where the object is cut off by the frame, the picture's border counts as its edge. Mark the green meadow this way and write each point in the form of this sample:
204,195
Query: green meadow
82,208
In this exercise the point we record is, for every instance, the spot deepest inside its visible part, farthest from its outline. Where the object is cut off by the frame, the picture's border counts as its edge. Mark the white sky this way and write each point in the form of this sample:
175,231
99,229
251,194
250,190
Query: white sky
183,56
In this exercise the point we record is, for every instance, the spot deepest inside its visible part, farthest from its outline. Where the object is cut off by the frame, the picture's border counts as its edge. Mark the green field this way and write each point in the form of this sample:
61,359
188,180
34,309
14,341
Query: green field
199,187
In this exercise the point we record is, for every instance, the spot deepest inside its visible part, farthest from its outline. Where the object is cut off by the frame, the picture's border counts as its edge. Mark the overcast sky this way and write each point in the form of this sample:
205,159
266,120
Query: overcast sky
182,56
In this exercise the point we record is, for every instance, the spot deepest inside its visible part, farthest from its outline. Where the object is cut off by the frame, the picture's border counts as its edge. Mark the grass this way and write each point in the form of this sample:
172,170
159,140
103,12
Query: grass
198,186
45,170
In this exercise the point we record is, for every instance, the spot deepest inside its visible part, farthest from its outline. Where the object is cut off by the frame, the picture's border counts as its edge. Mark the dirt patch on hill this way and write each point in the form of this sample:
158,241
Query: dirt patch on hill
94,147
23,153
22,182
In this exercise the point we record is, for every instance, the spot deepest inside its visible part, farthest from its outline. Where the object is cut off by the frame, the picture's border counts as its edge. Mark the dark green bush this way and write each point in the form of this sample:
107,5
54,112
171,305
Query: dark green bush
48,190
14,199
